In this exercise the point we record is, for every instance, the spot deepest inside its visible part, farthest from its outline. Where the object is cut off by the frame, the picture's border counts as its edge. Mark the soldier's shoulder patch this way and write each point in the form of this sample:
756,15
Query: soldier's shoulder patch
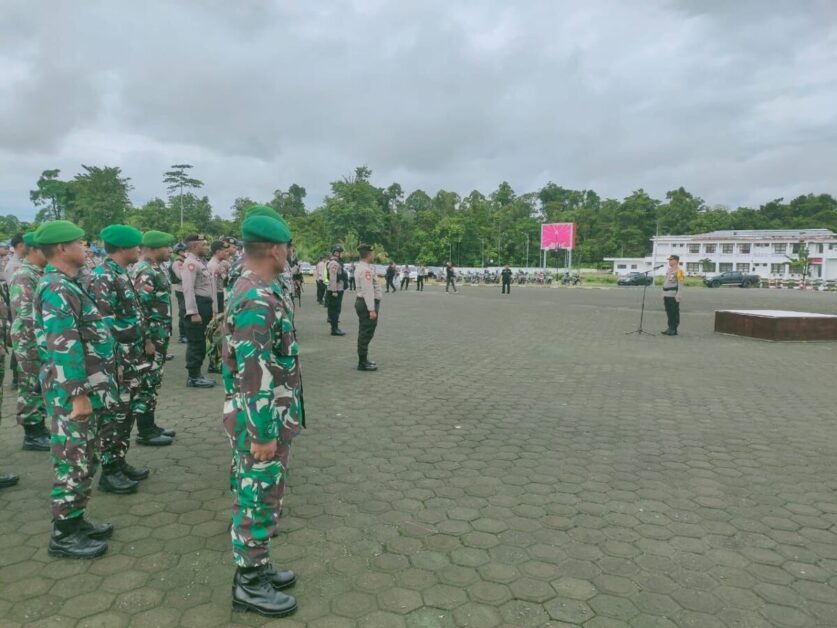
191,267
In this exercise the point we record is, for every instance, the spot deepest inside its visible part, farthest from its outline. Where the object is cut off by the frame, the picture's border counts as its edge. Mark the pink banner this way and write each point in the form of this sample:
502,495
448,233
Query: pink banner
559,235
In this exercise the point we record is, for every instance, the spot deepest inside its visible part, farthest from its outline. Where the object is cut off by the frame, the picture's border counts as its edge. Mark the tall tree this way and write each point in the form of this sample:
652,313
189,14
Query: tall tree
101,198
54,196
178,180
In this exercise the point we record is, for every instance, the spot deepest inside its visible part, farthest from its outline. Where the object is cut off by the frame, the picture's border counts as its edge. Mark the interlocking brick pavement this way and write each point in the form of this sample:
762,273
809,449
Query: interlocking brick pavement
517,461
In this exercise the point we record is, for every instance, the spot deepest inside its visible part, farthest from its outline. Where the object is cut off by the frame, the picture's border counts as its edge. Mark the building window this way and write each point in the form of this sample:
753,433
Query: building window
780,248
742,268
777,269
694,267
761,245
709,248
725,267
819,248
708,267
726,248
621,266
633,266
795,247
694,248
832,246
744,248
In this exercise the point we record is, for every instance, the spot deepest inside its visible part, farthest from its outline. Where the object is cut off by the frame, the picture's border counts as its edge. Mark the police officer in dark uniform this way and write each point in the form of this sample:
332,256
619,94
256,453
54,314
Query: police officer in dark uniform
506,275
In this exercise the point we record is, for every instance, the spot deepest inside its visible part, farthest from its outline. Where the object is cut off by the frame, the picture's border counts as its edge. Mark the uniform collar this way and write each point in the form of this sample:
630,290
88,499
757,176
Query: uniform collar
114,265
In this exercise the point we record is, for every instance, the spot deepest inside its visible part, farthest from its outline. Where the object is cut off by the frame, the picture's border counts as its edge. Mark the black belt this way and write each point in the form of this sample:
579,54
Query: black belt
669,289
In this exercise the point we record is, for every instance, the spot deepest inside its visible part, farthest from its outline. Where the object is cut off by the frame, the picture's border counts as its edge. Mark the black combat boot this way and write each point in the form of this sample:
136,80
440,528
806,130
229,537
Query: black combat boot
667,332
8,479
113,480
34,438
336,331
366,365
133,473
148,434
253,590
68,540
199,381
280,579
95,530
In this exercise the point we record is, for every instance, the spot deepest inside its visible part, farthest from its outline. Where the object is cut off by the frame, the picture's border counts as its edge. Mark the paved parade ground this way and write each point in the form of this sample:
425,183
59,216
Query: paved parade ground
517,461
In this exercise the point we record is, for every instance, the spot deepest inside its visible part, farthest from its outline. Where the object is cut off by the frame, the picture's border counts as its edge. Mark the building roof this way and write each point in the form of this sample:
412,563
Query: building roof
758,234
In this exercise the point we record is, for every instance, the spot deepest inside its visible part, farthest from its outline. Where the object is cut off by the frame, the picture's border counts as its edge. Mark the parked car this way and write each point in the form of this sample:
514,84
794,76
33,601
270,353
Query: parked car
635,279
732,279
305,268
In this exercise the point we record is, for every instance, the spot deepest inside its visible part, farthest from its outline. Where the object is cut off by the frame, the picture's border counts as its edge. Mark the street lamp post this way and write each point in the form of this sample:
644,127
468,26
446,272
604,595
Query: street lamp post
482,251
527,250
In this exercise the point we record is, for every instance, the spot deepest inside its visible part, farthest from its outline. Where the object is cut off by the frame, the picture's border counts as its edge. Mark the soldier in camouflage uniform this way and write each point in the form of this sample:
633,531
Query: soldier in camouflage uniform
6,479
78,379
30,402
117,300
263,411
153,288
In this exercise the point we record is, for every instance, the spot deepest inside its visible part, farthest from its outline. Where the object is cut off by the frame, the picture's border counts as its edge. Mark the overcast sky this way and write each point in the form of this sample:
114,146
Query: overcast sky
735,100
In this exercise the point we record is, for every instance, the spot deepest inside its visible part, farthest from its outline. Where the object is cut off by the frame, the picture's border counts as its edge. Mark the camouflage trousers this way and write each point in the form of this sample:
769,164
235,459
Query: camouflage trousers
258,489
150,380
117,423
73,463
30,402
2,379
213,344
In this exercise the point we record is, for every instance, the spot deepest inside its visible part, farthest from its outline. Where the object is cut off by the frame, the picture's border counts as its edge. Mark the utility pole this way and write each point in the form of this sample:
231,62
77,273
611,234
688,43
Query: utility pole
482,251
527,250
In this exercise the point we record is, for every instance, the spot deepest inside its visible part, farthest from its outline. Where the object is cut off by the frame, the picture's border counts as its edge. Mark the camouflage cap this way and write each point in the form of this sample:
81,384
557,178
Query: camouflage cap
157,239
265,229
122,236
58,232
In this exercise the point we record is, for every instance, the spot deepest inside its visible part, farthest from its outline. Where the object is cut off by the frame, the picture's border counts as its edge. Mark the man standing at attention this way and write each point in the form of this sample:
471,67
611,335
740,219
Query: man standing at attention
506,276
367,306
319,275
336,286
154,292
672,294
450,276
201,306
116,299
30,403
79,382
263,412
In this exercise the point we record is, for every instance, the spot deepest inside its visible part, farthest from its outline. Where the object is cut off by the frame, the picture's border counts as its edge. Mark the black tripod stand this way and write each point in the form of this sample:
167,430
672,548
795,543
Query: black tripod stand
639,331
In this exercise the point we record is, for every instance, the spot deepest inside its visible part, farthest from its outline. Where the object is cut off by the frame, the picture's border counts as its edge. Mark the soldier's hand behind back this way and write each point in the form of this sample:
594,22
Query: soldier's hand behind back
82,407
263,452
373,315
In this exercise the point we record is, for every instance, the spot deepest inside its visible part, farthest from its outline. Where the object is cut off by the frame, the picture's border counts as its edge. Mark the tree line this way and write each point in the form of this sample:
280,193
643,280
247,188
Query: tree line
473,230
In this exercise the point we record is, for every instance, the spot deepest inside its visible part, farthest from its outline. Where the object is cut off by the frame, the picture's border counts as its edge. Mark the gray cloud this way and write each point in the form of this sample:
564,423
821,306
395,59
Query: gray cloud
732,100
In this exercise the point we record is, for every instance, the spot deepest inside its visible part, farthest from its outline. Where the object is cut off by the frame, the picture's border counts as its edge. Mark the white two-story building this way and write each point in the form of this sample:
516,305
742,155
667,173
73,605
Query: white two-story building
767,253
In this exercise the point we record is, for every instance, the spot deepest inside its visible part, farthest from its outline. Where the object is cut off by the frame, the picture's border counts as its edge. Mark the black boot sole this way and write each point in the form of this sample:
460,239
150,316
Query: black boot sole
118,491
143,443
35,448
65,554
243,607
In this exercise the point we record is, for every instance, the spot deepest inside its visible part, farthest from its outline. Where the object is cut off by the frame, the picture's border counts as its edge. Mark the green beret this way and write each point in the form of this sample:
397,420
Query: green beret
58,232
122,236
265,229
262,210
29,238
157,239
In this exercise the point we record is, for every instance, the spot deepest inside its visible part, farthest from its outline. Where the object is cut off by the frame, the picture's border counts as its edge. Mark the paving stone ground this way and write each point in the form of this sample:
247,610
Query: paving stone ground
518,461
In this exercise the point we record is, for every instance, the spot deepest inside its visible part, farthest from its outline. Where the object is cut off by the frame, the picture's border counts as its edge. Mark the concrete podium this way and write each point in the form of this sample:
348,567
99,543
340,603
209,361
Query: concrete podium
776,324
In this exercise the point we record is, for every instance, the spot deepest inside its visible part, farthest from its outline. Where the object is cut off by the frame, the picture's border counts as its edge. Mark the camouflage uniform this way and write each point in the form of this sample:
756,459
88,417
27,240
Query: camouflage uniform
77,356
4,336
263,386
30,402
117,301
154,292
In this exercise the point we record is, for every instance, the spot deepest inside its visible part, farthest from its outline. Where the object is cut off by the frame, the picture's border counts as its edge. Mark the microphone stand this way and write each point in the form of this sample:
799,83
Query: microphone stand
639,331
